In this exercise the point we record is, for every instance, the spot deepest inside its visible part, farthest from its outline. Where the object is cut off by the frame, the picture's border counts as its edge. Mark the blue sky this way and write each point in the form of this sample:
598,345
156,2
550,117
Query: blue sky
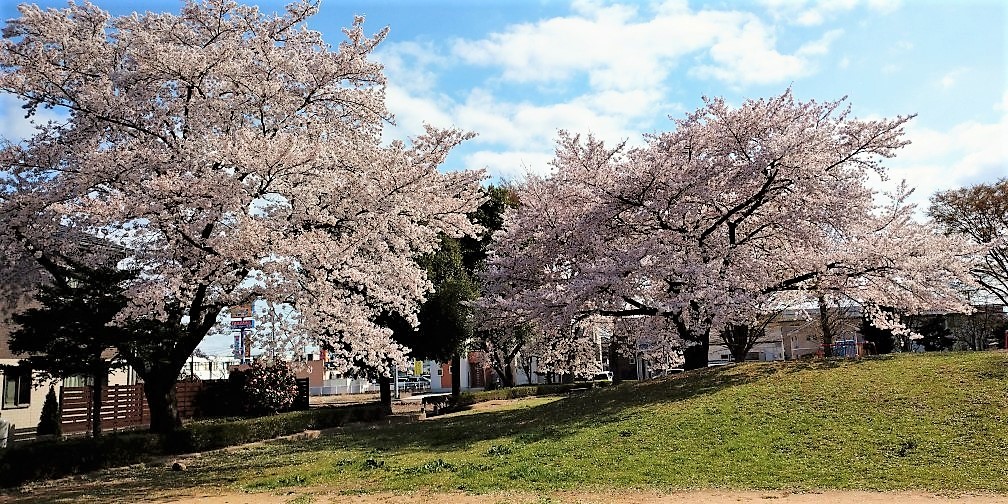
516,72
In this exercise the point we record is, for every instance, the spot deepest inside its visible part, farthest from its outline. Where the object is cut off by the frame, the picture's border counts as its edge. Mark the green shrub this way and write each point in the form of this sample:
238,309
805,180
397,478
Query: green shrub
212,434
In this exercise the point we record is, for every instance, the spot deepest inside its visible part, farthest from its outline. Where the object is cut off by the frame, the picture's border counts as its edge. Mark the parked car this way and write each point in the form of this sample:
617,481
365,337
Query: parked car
602,376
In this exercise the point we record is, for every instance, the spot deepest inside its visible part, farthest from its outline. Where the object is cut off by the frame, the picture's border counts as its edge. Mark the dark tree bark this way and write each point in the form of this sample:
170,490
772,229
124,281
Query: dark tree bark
160,393
827,329
456,376
385,394
99,381
696,355
527,367
614,361
740,339
160,351
507,380
736,338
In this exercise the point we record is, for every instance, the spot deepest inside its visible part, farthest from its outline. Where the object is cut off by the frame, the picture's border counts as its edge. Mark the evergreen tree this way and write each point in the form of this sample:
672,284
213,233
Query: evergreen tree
879,341
68,333
49,420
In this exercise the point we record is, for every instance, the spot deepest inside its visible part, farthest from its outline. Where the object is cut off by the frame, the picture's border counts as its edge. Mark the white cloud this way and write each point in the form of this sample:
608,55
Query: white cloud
965,154
611,115
618,57
950,79
411,112
617,49
511,165
810,17
815,13
515,137
821,46
747,57
409,64
14,126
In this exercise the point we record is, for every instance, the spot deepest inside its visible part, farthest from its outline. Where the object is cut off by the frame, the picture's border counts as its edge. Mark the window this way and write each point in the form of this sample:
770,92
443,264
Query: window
17,387
77,381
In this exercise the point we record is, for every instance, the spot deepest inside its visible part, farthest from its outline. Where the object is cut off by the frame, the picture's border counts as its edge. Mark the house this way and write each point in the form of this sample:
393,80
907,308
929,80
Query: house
794,334
474,373
210,367
22,401
23,388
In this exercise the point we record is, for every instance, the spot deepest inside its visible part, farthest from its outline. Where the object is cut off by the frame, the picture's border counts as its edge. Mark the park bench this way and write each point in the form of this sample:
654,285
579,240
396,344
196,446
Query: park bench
436,402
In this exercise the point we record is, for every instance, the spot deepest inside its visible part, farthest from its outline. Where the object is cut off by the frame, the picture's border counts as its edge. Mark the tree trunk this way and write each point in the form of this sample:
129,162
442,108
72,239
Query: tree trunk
696,355
385,394
736,338
614,363
98,382
508,378
827,332
456,376
160,393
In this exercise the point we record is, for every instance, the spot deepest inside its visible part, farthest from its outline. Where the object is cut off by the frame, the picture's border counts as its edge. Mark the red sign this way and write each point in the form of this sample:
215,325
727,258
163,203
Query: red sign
243,324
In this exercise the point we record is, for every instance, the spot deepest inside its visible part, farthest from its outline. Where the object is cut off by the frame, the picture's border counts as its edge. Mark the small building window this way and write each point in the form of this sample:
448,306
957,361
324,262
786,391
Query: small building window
77,381
17,386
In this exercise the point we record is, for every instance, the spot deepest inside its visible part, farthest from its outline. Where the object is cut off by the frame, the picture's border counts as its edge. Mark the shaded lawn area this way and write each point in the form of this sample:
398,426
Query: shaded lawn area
933,422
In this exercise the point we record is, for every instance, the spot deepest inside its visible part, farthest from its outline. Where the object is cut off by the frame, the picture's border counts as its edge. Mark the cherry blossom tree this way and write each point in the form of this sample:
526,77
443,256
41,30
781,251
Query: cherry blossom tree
233,155
734,210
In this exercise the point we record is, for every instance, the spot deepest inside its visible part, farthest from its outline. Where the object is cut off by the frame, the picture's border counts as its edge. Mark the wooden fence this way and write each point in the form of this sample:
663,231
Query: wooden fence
123,406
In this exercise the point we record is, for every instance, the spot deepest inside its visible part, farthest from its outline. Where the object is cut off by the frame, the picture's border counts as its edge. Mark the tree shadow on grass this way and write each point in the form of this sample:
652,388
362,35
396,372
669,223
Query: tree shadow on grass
129,484
550,421
565,417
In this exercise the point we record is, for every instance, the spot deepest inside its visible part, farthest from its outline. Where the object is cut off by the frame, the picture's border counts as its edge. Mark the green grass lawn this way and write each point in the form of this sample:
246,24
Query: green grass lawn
936,422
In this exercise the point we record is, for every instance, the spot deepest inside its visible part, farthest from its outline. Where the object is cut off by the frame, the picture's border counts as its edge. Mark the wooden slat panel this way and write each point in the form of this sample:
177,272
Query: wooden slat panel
122,406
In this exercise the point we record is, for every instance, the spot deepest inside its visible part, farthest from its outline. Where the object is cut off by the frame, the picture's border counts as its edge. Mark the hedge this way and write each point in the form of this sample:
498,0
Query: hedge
56,458
211,434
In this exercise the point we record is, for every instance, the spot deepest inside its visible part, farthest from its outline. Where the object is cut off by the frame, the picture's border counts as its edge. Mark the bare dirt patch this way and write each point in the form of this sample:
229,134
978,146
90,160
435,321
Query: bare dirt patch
326,496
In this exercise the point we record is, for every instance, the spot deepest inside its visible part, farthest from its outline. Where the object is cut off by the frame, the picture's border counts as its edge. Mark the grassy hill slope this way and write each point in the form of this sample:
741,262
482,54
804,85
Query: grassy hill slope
936,422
